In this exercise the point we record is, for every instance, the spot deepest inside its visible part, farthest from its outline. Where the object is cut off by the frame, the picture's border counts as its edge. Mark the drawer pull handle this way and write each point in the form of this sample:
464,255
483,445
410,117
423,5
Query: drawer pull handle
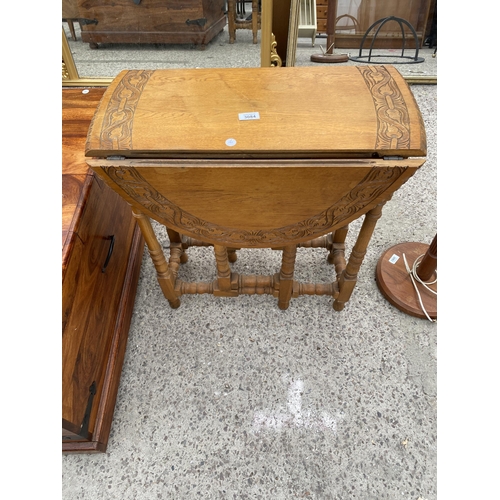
137,2
110,251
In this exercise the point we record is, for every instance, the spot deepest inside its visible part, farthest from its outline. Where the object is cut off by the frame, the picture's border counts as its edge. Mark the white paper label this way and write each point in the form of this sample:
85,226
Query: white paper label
254,115
394,258
231,142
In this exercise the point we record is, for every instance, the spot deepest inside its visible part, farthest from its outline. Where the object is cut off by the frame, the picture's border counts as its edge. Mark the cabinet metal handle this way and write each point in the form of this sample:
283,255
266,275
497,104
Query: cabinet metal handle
200,22
137,2
84,430
110,251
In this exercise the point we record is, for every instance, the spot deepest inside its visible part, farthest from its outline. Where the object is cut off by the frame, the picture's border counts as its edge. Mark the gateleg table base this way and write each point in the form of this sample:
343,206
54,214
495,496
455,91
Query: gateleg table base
281,284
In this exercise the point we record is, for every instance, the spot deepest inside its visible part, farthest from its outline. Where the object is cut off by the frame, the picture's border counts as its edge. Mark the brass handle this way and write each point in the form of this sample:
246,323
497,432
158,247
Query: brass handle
110,251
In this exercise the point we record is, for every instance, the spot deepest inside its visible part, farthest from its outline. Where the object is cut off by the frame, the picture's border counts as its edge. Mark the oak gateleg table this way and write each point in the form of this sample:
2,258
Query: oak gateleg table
257,158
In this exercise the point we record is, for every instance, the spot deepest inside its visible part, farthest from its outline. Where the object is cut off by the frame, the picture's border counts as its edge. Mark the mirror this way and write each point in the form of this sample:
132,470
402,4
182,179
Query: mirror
104,38
101,40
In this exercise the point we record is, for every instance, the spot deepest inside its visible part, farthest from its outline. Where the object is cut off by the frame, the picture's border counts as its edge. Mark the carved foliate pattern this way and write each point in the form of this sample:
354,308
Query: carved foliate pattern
116,130
393,121
374,184
275,58
65,73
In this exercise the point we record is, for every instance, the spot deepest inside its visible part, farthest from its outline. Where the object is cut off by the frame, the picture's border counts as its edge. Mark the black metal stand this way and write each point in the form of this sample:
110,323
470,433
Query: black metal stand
408,59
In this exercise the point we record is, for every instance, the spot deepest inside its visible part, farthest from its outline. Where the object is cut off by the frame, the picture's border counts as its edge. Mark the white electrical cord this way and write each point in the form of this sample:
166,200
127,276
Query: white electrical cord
414,277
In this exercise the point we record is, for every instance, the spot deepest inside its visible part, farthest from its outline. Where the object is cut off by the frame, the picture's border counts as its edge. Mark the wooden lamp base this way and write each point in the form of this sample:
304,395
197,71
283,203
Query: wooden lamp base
331,21
396,285
329,58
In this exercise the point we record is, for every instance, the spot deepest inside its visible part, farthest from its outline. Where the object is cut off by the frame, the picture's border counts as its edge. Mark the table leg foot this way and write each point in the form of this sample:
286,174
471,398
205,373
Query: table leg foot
174,304
338,306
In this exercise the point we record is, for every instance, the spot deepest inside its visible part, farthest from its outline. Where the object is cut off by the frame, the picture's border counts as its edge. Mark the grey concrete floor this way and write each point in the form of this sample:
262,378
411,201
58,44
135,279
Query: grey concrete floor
236,399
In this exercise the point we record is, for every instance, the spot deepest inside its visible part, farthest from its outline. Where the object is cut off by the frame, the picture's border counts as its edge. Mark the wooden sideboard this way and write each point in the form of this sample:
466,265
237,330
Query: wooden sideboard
101,258
151,21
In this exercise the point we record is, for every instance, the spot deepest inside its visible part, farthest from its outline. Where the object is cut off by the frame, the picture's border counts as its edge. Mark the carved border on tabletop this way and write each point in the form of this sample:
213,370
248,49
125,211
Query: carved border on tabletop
116,130
373,185
393,120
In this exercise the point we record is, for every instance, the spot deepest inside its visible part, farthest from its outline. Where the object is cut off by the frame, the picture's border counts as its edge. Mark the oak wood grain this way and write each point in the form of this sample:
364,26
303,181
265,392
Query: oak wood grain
255,203
354,111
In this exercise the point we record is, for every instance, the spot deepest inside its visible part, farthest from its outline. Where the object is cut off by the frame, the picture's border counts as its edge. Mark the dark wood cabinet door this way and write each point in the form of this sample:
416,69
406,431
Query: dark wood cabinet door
91,294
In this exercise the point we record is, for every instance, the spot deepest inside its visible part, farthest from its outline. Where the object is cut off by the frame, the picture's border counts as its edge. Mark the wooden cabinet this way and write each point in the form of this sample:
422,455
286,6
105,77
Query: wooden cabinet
151,21
102,253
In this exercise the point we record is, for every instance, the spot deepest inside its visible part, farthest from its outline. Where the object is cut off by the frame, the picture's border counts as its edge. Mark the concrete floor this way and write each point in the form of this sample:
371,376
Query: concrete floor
236,399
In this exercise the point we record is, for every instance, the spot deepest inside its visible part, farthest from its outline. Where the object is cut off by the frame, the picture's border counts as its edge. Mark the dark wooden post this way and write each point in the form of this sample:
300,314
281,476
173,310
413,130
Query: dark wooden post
428,265
331,21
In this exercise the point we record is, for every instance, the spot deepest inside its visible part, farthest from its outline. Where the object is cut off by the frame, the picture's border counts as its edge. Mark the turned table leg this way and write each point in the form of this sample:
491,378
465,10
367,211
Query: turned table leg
232,255
175,237
164,275
286,276
223,273
349,276
337,253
